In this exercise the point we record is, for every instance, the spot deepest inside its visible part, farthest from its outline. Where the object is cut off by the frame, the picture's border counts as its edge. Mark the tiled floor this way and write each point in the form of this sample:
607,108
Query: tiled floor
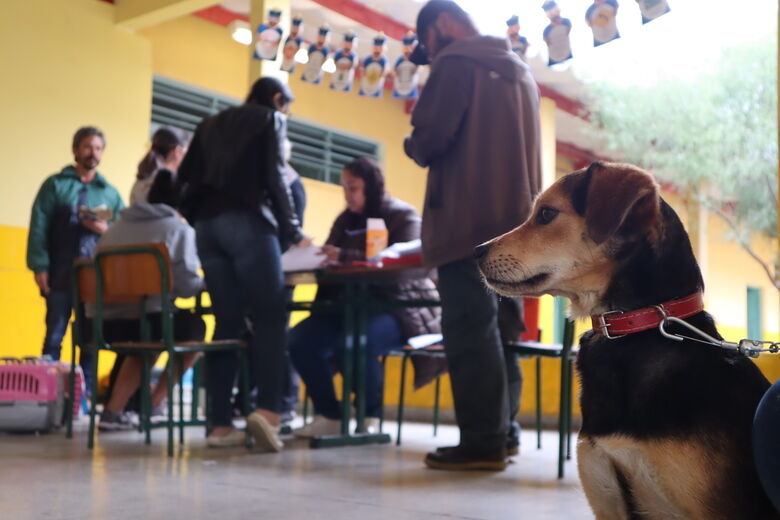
49,477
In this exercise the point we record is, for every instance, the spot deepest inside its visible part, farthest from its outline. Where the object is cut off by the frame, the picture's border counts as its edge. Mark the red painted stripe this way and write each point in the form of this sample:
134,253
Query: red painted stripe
368,17
581,157
564,103
220,15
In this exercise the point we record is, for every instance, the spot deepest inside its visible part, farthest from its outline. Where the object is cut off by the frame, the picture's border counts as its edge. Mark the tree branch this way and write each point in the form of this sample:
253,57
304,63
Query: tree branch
718,211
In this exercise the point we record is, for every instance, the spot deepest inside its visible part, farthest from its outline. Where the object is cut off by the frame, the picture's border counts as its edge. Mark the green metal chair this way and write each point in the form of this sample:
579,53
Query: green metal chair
525,349
131,274
565,352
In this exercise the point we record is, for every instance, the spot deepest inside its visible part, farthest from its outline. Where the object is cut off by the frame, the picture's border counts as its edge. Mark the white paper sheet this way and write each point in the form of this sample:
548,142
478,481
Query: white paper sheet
302,259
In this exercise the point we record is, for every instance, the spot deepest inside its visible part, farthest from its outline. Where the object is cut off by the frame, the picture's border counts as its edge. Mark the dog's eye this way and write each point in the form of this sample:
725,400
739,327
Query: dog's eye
546,215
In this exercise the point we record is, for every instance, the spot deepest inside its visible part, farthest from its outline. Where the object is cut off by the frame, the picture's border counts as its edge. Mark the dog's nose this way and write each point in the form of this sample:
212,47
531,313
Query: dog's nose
481,250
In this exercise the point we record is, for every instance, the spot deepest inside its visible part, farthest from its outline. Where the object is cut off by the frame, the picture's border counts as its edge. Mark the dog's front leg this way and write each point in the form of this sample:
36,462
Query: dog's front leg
600,481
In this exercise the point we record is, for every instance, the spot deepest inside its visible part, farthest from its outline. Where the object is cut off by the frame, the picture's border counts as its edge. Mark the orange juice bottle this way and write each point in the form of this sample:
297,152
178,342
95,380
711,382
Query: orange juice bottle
376,237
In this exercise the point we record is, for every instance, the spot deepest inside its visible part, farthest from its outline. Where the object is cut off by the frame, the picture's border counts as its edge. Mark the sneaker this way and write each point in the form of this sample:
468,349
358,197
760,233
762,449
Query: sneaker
318,427
159,414
234,438
114,422
266,435
372,425
460,458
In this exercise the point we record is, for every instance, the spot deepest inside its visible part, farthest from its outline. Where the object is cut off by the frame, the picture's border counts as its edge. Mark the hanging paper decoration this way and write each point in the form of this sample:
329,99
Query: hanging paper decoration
292,44
268,37
374,68
652,9
318,53
519,44
406,74
346,60
557,34
601,17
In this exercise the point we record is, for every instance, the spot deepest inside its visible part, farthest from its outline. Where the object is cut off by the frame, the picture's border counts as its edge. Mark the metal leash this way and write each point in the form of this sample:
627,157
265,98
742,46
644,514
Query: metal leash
748,347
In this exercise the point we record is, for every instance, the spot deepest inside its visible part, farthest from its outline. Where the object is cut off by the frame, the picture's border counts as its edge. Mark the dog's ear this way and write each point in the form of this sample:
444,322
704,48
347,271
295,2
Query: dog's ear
621,196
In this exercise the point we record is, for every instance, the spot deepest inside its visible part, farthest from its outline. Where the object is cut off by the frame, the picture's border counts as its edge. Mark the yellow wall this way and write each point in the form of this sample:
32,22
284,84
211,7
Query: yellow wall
64,65
81,69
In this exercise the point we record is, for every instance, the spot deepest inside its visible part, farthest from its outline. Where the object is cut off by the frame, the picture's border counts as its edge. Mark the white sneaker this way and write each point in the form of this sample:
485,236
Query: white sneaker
266,436
319,426
234,438
371,424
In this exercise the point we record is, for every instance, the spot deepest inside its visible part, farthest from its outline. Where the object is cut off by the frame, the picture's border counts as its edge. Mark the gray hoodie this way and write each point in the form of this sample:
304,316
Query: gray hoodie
144,223
476,126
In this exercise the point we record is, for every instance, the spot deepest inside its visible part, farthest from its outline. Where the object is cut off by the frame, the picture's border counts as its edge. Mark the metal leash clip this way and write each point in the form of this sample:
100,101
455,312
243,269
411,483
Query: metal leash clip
754,347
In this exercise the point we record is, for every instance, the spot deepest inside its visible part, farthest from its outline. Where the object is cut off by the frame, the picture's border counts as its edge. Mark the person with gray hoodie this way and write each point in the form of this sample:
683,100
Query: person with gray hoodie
155,221
476,127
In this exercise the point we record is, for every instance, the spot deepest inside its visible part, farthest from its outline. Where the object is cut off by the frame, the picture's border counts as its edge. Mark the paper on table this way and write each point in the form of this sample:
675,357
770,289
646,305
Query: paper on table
302,259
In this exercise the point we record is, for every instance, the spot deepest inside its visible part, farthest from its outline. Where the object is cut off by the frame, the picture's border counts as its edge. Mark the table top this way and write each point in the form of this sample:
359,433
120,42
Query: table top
392,273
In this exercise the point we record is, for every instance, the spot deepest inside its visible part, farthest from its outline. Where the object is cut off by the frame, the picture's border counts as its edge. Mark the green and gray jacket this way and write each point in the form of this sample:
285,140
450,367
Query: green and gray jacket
56,235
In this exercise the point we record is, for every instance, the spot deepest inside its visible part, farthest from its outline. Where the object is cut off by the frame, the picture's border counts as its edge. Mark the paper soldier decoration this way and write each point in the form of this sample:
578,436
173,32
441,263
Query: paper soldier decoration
557,34
374,69
268,37
318,53
652,9
292,44
346,60
406,74
519,44
601,17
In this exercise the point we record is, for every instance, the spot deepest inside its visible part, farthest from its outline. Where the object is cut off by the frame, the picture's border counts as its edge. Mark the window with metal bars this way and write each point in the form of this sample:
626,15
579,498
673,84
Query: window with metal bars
317,152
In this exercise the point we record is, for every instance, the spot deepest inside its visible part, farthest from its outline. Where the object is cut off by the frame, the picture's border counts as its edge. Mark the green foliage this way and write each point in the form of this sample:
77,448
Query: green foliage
714,136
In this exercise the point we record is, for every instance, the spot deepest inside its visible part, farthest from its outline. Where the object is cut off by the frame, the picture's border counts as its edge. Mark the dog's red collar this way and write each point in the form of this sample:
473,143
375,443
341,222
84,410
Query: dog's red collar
614,324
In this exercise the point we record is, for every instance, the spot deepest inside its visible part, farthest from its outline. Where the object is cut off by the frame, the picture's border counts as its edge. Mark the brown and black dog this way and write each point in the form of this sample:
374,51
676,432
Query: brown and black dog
666,425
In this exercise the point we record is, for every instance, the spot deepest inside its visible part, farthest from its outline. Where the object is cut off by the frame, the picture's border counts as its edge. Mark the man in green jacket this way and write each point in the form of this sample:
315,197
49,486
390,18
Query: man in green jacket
72,209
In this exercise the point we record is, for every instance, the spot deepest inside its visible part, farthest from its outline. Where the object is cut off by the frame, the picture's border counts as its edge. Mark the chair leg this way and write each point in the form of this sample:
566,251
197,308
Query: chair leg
93,403
538,403
562,426
305,405
570,387
195,394
145,398
181,400
71,392
436,406
401,399
169,369
382,397
243,363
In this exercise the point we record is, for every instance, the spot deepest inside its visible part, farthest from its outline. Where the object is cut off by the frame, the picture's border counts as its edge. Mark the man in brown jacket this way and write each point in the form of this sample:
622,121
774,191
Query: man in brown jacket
476,127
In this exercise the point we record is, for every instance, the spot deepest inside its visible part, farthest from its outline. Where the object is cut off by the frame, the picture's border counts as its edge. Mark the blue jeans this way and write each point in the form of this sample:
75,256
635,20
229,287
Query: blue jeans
317,342
58,308
475,356
59,305
240,254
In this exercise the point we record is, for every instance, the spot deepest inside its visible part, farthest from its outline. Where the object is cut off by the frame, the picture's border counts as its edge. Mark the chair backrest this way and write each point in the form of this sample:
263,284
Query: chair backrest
130,272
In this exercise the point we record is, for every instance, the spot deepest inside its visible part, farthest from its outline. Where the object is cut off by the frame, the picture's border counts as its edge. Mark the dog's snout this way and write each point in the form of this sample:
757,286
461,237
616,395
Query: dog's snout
481,250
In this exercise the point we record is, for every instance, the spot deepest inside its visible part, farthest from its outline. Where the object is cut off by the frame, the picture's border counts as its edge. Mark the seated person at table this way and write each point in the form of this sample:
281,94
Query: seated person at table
149,222
315,343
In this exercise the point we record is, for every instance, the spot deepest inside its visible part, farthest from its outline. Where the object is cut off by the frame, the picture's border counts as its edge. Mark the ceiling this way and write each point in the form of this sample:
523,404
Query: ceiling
569,128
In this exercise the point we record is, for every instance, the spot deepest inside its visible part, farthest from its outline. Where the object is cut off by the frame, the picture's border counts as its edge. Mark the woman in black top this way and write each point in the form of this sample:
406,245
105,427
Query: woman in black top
232,181
315,343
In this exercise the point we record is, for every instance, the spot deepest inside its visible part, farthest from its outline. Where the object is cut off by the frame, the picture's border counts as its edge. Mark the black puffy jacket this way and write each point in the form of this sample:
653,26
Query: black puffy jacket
236,160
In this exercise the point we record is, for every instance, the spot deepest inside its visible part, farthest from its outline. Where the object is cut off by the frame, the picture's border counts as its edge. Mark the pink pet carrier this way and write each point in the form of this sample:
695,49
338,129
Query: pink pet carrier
33,394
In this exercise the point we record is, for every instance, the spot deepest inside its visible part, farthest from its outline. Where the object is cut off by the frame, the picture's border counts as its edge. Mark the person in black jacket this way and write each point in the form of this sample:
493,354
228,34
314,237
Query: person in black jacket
233,191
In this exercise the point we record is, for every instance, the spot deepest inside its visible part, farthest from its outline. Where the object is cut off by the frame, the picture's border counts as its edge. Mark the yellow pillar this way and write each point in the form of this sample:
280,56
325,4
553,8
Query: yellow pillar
258,13
697,232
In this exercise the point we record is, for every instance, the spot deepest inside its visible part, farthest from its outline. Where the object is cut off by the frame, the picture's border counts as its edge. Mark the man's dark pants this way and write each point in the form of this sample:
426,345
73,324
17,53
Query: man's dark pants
475,355
58,310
